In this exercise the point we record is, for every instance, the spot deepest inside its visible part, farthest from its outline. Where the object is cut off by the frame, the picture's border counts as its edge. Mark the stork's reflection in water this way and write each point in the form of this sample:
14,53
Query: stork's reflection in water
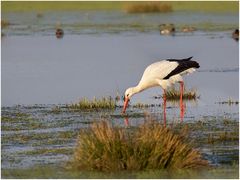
164,112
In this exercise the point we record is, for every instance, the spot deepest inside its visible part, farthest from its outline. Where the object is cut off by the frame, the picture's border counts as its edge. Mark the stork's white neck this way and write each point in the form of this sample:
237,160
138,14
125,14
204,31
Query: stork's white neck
137,89
140,87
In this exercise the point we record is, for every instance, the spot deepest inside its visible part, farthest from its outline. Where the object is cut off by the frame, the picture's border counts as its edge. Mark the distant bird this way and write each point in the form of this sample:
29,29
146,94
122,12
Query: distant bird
59,33
167,29
39,15
163,73
188,29
235,35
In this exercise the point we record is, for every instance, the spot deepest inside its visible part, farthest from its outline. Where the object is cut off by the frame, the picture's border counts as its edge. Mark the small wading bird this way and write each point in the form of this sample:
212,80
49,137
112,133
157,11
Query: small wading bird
235,34
59,33
163,73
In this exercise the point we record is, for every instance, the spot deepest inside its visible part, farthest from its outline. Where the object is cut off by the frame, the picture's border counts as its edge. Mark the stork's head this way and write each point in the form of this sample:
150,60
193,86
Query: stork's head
128,94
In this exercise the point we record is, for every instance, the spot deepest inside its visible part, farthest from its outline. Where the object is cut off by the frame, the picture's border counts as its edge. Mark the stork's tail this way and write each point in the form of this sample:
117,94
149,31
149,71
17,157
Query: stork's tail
193,64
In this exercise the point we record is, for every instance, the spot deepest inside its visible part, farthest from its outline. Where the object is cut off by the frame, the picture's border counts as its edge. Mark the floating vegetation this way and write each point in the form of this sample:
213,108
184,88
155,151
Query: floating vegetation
229,102
141,105
17,121
53,142
14,117
149,146
56,110
49,151
174,94
147,7
85,104
124,115
222,136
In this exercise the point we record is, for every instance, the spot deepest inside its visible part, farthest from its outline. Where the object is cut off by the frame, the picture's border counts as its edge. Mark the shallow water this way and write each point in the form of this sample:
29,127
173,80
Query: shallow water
88,66
92,22
40,72
46,70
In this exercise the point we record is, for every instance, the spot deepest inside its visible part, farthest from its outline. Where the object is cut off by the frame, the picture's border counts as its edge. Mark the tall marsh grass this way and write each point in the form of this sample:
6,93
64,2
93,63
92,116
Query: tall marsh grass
150,146
147,7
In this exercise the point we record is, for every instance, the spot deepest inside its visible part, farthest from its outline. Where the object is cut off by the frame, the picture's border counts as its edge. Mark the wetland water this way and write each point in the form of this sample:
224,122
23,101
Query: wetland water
40,72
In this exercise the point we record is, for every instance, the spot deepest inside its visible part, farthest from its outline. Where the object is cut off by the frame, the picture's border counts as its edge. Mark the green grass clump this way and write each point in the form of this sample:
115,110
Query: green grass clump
147,7
149,146
174,94
85,104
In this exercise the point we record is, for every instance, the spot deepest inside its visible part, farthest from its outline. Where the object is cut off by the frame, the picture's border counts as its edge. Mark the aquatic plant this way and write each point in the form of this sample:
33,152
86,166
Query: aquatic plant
141,105
150,146
85,104
147,7
222,136
56,110
174,94
230,101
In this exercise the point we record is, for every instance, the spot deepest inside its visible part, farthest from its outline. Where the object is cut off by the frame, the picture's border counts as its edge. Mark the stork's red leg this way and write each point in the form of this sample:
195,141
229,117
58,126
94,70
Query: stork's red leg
164,107
126,122
181,100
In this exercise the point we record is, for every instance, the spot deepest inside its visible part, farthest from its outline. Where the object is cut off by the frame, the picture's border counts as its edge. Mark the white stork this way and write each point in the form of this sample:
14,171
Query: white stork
162,73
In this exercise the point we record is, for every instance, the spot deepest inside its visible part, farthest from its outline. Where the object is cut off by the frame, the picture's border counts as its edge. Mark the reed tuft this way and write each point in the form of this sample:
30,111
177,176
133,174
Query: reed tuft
174,94
85,104
150,146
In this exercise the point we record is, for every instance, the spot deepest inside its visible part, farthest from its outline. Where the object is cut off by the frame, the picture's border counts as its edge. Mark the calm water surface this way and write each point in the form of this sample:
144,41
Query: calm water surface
46,70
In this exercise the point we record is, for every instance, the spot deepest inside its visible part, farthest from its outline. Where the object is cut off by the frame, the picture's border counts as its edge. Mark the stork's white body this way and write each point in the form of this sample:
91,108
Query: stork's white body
163,73
154,75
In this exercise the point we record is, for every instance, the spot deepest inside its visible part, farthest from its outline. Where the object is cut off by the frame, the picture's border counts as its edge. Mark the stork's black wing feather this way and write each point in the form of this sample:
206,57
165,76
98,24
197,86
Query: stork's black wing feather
183,64
177,60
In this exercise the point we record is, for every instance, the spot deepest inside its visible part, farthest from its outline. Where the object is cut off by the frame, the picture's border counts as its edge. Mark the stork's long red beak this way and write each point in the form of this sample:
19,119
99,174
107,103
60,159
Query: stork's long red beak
125,104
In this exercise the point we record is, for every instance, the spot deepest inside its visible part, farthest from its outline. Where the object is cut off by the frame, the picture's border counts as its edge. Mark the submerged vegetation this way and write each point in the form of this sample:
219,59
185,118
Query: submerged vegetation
150,146
147,7
141,105
229,102
40,132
